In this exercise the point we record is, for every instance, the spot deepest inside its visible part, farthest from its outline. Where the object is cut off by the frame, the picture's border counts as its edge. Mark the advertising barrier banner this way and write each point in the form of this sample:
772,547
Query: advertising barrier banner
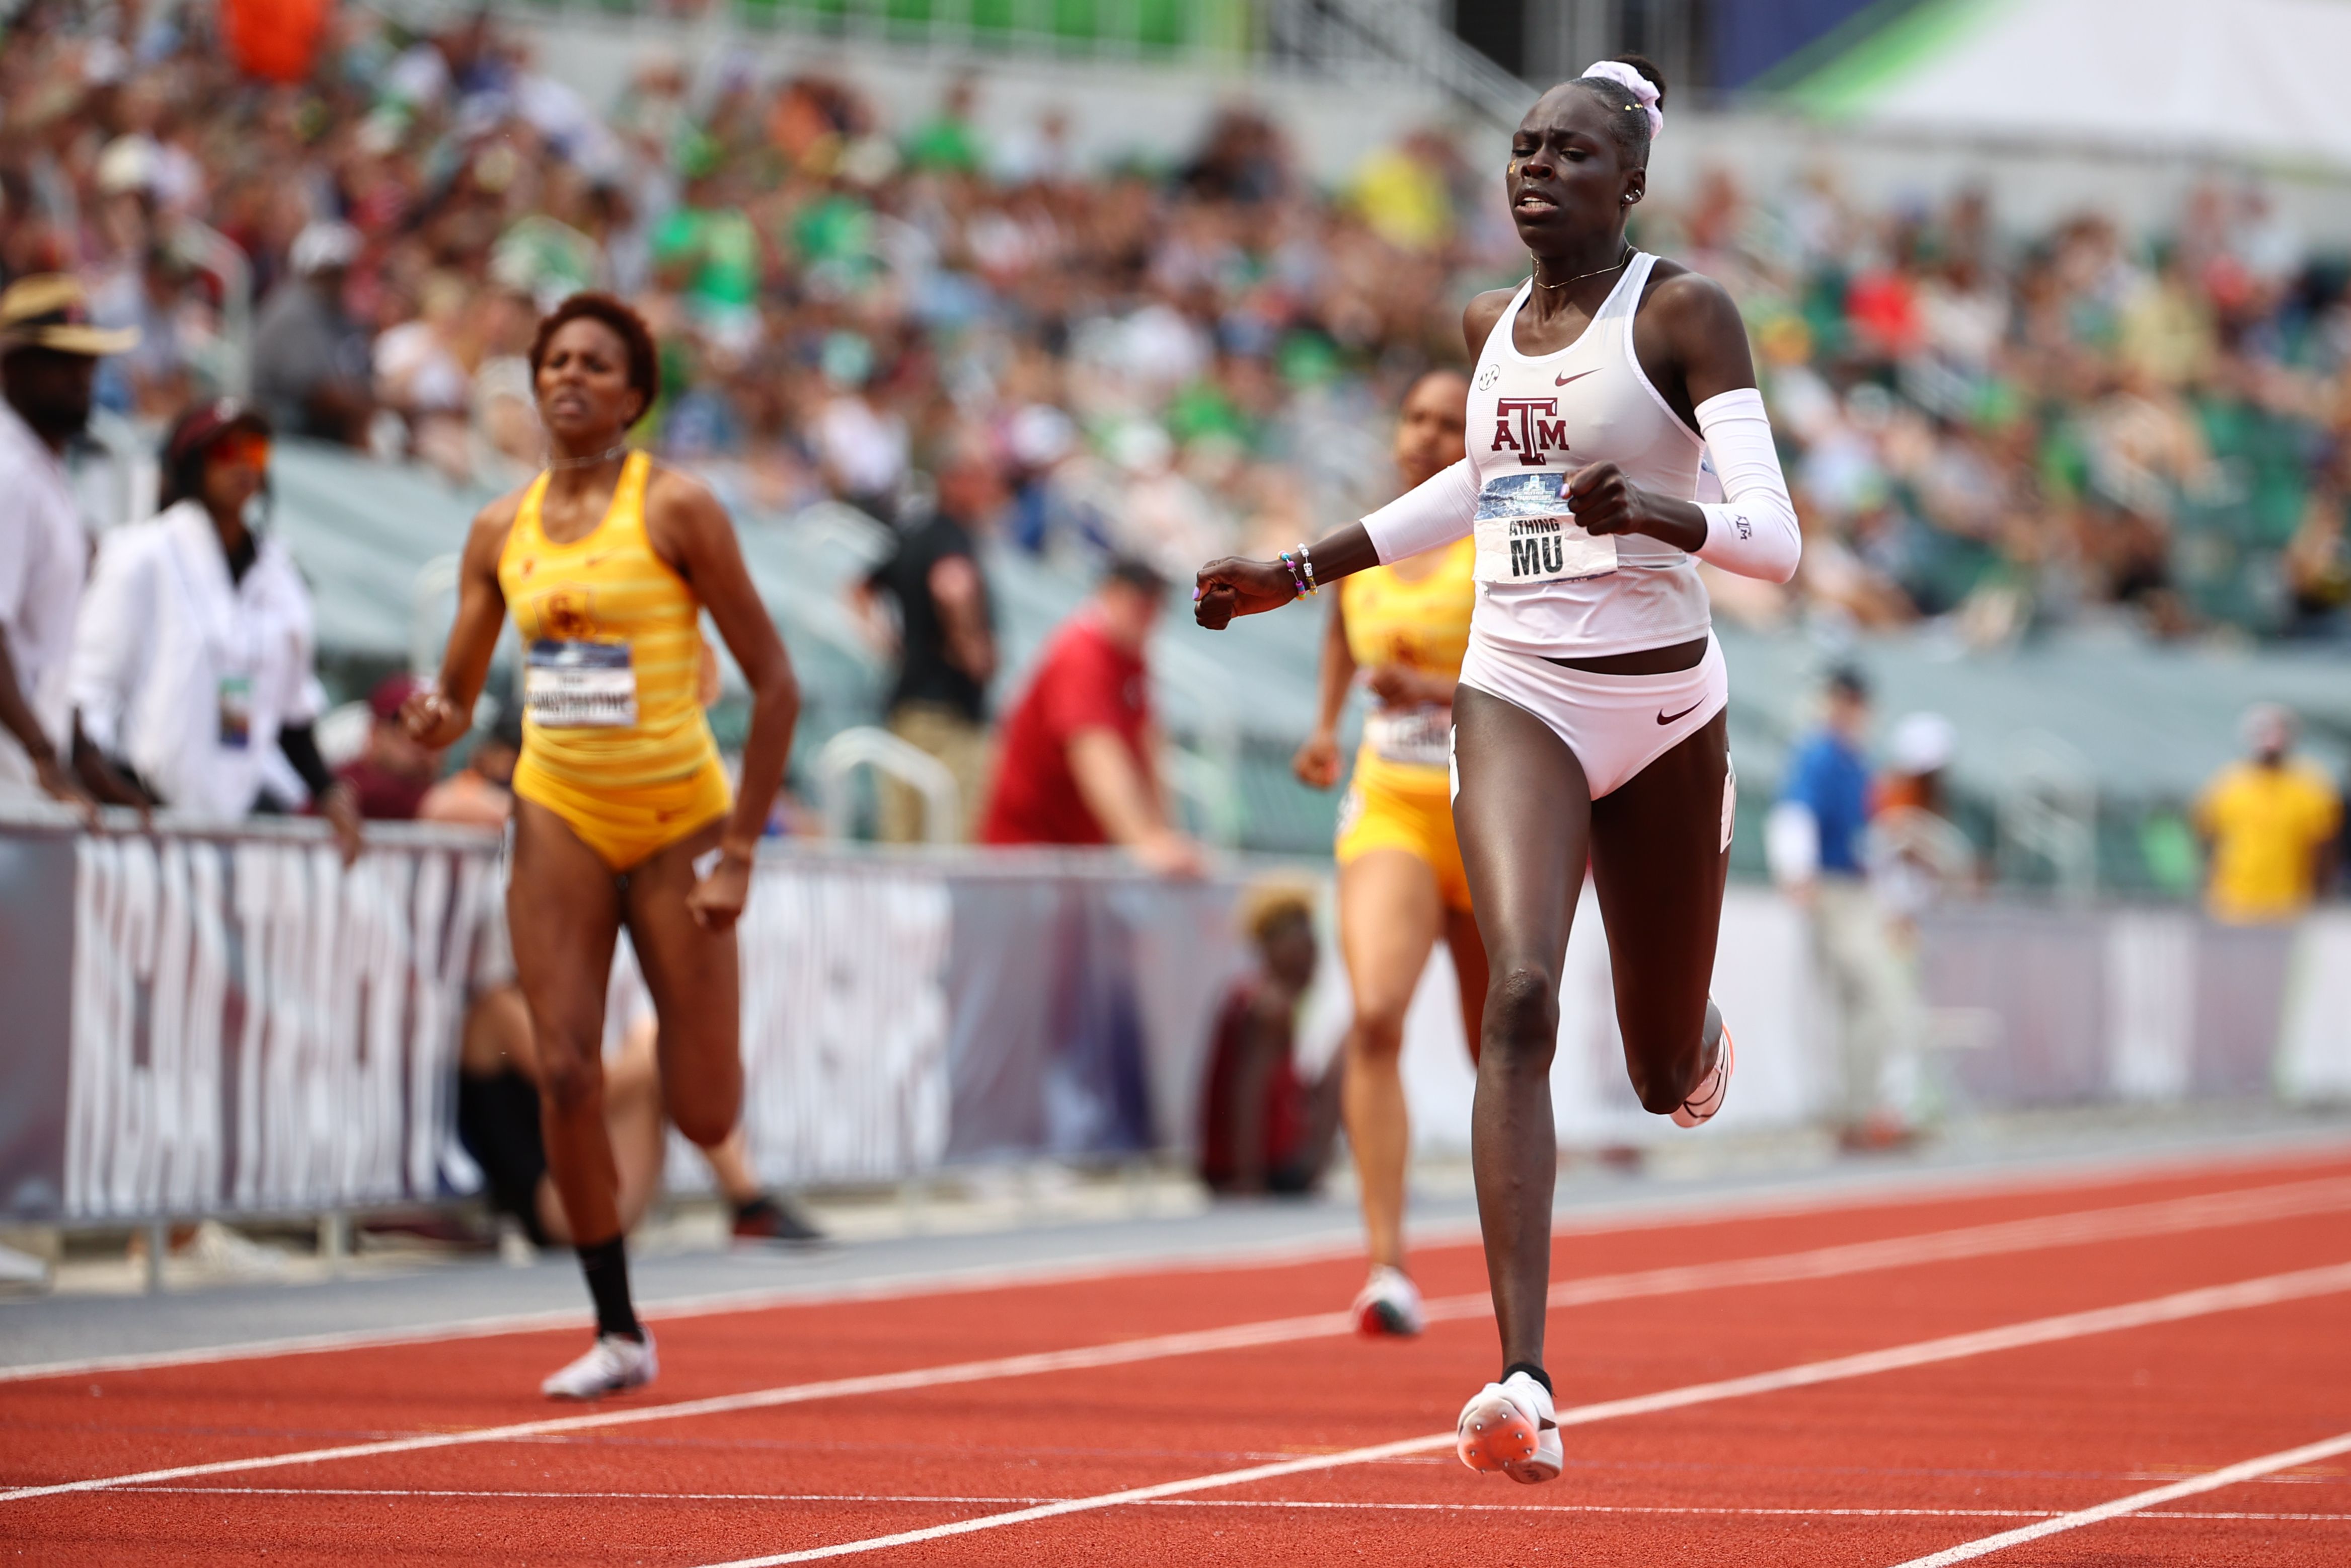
235,1023
238,1024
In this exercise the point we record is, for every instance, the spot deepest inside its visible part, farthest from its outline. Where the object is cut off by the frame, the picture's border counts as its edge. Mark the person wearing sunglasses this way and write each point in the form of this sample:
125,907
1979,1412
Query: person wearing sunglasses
195,661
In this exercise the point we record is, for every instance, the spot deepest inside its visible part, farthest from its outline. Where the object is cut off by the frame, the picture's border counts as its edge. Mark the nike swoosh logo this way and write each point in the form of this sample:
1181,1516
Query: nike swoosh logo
1577,377
1669,717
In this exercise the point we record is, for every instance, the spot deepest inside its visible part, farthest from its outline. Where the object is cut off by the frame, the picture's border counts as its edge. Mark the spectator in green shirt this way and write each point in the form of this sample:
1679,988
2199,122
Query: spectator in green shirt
706,248
947,141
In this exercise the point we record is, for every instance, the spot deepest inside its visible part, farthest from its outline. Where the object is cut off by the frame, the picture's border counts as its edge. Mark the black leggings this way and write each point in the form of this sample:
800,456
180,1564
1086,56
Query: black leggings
1528,826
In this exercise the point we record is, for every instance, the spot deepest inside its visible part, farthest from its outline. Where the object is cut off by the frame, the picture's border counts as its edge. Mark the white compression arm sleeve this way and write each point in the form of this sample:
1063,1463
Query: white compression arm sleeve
1435,512
1754,532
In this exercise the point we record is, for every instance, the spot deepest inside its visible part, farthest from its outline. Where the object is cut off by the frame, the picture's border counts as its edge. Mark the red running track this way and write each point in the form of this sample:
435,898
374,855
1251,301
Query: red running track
1835,1380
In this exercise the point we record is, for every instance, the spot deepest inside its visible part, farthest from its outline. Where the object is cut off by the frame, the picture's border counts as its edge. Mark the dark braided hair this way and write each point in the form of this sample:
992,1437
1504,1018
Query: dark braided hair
1628,123
644,360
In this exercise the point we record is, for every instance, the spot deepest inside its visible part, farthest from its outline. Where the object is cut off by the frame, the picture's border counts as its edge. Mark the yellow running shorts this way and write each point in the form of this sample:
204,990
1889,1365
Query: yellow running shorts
626,826
1380,813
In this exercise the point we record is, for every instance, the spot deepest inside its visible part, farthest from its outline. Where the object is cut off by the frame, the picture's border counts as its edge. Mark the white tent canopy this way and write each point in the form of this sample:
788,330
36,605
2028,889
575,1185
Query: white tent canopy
2256,80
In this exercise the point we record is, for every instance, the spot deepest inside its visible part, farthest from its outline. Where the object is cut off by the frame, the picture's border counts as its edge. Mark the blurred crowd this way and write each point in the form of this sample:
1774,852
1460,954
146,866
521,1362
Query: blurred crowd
1165,362
1996,432
2008,431
2018,433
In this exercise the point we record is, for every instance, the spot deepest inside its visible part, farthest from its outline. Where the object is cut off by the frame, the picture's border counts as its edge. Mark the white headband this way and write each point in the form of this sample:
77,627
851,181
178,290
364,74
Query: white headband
1642,88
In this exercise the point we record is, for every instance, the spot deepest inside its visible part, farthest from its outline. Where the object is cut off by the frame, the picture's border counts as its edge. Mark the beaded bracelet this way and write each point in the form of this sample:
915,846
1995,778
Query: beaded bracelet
1297,578
1306,558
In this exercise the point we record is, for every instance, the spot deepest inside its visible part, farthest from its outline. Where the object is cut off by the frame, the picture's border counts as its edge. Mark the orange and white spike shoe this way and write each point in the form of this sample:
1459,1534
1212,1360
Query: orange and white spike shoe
1388,1306
1714,1087
1508,1427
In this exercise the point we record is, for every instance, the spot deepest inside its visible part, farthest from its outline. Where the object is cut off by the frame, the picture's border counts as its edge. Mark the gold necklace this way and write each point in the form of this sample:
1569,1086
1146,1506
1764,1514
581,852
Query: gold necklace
1580,276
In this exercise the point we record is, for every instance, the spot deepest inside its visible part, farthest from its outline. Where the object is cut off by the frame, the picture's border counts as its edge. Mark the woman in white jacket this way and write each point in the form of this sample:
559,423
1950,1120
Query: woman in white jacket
193,659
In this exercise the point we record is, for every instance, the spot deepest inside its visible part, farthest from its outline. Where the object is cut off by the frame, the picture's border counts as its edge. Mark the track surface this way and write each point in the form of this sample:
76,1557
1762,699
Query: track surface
1848,1382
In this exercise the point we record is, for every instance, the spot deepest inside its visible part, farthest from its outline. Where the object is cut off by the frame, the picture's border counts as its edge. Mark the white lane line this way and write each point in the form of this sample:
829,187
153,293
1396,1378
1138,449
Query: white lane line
1647,1213
1707,1512
940,1282
2228,1476
2134,1221
2269,1289
1240,1337
1372,1506
2169,1216
2241,1205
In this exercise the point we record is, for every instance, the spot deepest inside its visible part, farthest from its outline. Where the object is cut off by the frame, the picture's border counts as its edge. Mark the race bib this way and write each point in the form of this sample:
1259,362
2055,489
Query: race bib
1419,737
235,695
1526,533
578,685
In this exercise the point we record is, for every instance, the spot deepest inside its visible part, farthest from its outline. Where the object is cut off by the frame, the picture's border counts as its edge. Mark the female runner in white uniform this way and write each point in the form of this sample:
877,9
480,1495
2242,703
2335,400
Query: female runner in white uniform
1589,722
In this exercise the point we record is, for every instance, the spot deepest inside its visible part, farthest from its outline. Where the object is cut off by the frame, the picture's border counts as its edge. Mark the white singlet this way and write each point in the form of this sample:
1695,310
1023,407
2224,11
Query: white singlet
1546,587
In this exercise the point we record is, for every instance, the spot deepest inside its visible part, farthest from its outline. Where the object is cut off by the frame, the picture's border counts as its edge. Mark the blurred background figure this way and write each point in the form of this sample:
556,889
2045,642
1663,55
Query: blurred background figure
480,793
942,632
498,1121
1079,763
1916,854
2270,823
1264,1129
391,775
48,363
193,668
1814,839
311,361
424,373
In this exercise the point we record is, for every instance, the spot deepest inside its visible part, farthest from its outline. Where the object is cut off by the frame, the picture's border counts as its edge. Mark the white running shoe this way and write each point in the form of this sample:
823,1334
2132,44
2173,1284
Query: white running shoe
1508,1427
1388,1305
613,1365
1714,1087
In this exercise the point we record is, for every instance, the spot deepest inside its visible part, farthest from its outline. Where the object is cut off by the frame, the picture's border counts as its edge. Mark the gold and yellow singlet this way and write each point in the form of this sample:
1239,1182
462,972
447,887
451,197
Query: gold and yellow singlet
613,740
1401,796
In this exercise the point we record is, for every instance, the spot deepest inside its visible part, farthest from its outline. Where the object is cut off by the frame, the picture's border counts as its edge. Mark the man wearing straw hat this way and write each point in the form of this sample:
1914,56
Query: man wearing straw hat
48,359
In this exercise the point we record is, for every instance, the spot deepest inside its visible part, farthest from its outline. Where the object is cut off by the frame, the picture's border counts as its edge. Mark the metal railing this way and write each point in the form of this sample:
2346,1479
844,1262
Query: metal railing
854,750
2048,815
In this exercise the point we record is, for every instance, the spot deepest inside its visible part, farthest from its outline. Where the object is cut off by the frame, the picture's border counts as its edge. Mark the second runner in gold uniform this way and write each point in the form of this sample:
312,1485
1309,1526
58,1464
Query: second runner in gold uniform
1403,629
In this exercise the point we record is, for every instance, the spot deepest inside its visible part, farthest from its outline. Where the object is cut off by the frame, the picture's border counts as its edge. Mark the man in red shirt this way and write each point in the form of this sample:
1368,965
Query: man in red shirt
1080,753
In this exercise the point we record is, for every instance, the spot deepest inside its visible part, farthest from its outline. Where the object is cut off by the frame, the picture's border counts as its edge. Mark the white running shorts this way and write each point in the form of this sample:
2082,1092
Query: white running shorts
1615,724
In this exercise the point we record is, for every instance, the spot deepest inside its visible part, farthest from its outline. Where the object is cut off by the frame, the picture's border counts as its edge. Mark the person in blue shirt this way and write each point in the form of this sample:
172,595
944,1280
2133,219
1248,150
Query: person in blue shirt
1815,842
1829,778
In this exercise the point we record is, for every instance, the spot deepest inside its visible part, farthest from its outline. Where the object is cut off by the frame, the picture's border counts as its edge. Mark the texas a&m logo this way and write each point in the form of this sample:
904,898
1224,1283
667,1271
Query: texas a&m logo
1529,434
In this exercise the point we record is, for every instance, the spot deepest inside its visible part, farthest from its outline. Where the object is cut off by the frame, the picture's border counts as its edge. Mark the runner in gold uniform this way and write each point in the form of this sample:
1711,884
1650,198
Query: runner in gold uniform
1401,885
622,814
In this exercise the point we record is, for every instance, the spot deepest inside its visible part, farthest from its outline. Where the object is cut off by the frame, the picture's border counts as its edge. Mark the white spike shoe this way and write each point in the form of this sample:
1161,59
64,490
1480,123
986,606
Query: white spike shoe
1508,1427
613,1365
